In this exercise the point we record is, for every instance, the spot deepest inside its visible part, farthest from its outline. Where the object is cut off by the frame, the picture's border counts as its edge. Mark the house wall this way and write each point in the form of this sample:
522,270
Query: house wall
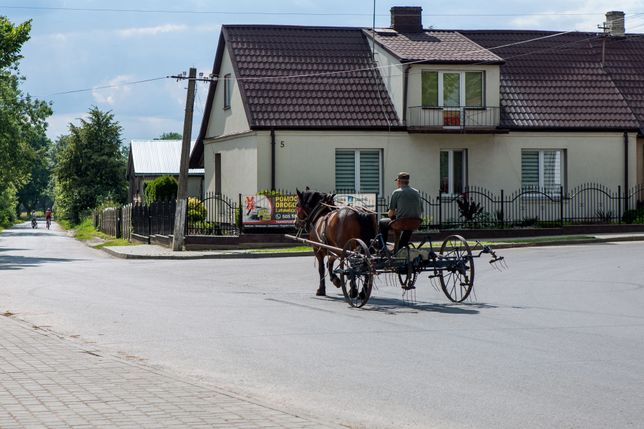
229,121
392,75
307,158
238,164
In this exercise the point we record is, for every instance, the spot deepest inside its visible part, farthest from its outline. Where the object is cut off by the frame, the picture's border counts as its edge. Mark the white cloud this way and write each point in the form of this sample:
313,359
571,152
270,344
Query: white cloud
115,92
59,123
151,31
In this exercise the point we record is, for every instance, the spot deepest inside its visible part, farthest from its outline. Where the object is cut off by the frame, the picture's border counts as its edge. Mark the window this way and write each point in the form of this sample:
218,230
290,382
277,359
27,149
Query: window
453,171
228,89
452,89
542,169
358,170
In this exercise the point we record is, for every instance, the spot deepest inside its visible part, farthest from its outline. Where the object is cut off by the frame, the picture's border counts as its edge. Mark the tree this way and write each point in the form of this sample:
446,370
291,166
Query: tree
22,119
170,136
90,166
36,194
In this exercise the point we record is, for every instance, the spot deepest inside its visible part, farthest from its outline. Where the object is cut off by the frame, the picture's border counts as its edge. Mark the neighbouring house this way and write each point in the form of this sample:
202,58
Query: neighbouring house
149,159
347,108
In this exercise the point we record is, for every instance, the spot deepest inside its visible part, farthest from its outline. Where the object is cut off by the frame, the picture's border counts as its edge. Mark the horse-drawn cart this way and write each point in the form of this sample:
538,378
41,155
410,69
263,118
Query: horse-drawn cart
452,265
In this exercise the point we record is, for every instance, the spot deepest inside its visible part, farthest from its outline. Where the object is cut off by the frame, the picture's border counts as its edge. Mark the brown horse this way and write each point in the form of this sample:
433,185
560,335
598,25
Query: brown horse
334,226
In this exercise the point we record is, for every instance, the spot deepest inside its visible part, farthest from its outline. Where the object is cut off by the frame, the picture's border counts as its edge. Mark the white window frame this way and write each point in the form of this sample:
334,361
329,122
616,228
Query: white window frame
450,169
462,95
356,172
228,89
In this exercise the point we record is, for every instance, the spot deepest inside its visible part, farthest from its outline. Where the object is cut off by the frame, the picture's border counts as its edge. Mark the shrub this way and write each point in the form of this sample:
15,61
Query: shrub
162,188
196,210
468,209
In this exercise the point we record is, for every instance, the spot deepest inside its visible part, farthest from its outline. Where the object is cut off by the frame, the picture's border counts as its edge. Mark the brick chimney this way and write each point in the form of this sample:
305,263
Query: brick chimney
614,24
407,19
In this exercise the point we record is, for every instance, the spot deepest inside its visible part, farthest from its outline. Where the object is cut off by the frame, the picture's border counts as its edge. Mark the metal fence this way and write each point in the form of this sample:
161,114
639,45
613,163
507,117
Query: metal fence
214,215
478,207
218,215
154,219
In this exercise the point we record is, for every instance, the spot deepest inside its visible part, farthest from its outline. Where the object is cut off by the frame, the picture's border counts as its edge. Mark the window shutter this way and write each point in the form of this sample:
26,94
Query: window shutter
430,89
370,171
345,169
530,169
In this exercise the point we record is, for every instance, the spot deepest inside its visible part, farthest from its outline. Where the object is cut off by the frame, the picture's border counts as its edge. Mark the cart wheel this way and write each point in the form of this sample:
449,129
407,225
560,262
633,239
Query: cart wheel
356,270
407,273
457,278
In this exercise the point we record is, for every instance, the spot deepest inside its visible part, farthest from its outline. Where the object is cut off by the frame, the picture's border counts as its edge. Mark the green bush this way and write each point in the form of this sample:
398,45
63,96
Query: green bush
162,188
634,216
196,210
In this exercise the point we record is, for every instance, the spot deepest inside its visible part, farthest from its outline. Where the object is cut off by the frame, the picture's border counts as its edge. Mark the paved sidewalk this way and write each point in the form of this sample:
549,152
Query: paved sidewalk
50,382
152,251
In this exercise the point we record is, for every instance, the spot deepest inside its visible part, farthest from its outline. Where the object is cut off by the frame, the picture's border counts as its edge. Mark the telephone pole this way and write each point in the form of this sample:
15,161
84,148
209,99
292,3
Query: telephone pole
182,191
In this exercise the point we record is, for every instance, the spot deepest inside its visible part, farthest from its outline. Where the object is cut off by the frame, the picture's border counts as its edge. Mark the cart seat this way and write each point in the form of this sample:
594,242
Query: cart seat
405,224
401,225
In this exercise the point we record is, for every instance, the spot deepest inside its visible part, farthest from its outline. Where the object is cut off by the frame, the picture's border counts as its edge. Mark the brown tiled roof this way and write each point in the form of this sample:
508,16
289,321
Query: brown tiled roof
553,80
308,77
444,47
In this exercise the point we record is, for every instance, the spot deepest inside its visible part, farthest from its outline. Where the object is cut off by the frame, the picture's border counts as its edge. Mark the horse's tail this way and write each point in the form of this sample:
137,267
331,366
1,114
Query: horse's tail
367,223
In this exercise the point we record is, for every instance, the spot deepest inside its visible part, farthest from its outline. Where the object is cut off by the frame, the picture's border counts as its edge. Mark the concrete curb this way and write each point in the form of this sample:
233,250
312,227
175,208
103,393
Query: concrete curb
263,255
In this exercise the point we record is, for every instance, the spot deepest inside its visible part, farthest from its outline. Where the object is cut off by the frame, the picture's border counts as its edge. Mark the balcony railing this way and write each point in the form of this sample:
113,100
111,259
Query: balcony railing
453,118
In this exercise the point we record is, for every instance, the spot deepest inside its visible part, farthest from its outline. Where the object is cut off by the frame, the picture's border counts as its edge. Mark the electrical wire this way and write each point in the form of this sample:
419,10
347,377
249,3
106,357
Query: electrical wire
362,69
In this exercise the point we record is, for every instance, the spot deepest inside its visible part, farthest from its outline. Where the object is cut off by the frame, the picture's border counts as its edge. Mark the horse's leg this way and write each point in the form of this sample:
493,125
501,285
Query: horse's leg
322,288
334,278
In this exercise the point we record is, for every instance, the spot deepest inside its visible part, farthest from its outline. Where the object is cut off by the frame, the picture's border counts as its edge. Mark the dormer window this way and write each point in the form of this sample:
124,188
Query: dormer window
452,89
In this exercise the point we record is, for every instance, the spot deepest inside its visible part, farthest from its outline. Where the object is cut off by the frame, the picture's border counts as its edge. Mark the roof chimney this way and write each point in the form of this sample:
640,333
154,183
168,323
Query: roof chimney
407,19
614,24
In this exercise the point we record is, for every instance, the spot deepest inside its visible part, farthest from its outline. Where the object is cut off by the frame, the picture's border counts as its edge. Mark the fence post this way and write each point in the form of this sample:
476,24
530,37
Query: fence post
502,212
149,225
561,205
240,214
620,214
119,217
440,209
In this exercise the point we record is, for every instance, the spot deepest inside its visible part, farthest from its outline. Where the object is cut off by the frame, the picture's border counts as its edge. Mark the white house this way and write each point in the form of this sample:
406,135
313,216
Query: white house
347,108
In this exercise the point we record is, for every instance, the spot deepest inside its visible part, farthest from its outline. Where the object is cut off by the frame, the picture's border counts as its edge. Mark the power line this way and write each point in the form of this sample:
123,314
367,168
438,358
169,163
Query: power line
337,72
117,85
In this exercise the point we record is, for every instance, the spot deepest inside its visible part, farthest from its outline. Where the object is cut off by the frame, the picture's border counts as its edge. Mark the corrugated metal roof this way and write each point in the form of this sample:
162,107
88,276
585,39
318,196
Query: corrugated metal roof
157,157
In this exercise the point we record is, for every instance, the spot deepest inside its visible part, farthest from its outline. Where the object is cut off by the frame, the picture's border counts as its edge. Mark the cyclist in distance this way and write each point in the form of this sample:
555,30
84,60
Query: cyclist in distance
48,217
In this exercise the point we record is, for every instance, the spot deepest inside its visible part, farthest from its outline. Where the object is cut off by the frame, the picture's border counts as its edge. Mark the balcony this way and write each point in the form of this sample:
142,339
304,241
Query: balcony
453,119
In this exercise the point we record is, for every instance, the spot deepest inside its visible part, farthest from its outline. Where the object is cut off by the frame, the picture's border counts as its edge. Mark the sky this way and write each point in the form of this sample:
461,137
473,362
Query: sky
85,53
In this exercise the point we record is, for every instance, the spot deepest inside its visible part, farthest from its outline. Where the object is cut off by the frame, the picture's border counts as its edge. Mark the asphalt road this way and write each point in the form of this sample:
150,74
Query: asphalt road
556,341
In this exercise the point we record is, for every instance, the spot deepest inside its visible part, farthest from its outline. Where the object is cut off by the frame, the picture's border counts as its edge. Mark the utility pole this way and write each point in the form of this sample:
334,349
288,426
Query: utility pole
182,192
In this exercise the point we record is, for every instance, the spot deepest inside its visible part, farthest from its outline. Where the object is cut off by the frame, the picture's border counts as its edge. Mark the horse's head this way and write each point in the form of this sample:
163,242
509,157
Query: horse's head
307,202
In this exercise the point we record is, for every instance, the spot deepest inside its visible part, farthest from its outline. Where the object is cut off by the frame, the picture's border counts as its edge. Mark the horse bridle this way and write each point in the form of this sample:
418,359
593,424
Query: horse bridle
311,216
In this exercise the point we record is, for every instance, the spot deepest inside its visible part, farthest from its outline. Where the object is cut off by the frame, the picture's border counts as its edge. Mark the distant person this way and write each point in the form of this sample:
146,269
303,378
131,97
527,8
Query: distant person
34,220
48,214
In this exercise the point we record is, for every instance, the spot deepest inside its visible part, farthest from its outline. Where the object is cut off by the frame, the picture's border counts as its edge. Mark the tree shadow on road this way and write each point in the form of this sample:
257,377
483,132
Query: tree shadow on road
9,262
27,233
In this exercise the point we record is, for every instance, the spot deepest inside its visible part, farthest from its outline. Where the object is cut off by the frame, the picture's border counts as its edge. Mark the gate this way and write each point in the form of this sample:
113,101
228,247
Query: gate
216,214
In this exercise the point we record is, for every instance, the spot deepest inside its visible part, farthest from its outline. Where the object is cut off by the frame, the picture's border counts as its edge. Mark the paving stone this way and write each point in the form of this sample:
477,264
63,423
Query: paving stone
49,382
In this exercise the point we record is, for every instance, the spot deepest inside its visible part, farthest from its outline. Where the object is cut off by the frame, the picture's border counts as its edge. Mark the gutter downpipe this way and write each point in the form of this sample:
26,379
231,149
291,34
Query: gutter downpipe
405,86
625,170
272,159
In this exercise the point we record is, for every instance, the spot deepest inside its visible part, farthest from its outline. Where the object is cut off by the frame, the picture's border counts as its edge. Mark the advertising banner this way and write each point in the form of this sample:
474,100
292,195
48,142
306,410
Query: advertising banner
279,211
263,211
